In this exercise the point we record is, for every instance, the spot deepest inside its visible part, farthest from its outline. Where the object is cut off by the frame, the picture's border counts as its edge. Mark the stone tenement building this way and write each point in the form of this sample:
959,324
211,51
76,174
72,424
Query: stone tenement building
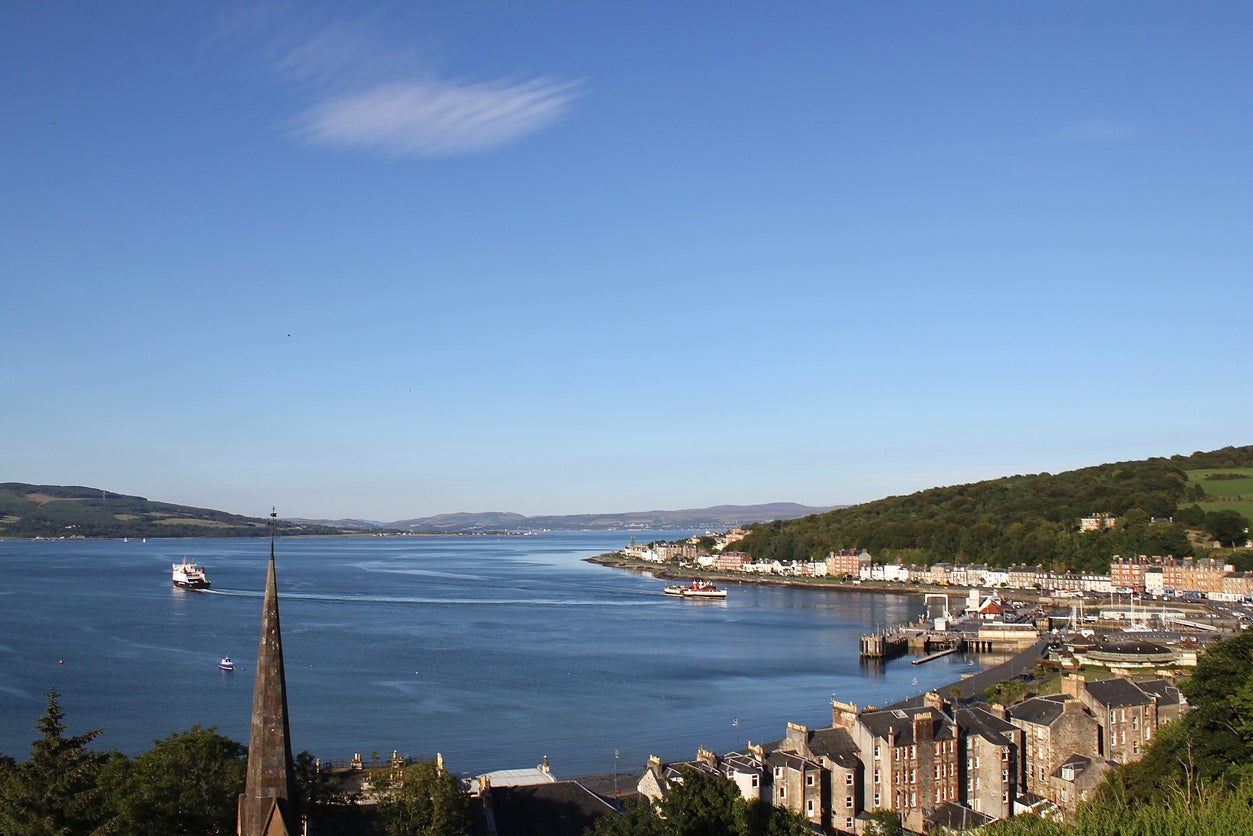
937,763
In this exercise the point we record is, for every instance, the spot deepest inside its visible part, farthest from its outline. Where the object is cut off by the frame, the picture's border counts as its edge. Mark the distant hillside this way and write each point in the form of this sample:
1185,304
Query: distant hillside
718,517
1029,519
74,511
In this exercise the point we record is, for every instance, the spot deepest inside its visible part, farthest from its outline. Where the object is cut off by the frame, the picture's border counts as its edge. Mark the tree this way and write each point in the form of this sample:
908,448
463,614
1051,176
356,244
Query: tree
1227,527
700,805
329,806
757,818
638,818
187,783
54,791
884,823
424,800
1212,743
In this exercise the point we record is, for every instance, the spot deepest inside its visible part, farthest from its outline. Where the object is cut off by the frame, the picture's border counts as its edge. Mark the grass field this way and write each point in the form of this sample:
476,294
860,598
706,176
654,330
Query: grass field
1224,494
1224,488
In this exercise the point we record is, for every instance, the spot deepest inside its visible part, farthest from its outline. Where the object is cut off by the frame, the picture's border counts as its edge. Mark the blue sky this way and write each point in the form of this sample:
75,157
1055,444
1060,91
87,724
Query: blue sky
392,260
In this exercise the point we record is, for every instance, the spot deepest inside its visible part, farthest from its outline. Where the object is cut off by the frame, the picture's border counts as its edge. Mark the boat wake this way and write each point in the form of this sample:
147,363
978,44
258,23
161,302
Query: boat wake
347,598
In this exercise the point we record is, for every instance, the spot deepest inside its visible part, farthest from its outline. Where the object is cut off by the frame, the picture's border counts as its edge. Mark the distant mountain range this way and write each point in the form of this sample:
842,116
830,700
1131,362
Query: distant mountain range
54,511
718,517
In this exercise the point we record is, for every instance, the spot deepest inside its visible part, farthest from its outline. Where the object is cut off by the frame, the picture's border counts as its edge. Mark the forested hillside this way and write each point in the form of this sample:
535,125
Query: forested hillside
1029,519
75,511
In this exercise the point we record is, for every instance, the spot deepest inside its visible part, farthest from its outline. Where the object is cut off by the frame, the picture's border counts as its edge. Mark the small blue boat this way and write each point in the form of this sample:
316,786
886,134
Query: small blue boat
226,664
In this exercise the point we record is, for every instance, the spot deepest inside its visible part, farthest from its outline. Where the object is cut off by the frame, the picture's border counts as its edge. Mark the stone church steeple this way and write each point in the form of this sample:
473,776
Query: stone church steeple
268,806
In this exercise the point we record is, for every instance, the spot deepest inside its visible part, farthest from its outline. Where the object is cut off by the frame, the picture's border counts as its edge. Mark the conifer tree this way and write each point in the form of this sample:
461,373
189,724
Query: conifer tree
54,792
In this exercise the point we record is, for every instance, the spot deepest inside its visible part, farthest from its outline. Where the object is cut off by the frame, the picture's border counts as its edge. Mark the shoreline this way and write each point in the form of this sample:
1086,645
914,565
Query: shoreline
664,571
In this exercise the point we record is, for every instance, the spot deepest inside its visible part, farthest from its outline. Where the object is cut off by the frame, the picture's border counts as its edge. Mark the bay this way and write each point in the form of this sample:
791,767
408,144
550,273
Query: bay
494,651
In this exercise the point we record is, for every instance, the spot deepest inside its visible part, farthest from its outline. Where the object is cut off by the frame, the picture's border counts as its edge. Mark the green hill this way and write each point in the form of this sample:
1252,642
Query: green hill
60,511
1027,519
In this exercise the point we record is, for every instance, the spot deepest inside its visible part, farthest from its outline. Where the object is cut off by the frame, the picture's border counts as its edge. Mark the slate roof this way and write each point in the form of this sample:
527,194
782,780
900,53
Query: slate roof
1042,711
1134,648
792,761
1076,762
742,763
834,744
880,723
1167,692
987,725
958,818
566,808
1117,693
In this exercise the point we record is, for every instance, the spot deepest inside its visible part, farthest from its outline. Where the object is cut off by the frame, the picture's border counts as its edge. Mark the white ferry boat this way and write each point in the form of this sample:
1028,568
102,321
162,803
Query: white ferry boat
696,589
226,664
189,576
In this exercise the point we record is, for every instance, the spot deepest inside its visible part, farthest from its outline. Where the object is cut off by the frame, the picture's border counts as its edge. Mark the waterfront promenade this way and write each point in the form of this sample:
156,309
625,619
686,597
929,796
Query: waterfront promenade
968,687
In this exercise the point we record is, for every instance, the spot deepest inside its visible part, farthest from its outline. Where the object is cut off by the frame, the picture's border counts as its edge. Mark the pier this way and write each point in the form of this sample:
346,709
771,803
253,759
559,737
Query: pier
884,645
984,638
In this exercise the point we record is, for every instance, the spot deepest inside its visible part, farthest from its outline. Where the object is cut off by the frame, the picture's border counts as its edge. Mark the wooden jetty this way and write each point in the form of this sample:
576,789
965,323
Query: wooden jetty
935,655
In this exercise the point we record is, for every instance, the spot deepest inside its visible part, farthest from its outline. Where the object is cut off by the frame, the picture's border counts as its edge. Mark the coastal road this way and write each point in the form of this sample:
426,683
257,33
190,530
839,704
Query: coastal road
970,686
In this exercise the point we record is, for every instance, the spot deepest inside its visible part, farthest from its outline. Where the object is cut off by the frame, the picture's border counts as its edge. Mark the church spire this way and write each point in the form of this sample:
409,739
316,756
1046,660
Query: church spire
268,804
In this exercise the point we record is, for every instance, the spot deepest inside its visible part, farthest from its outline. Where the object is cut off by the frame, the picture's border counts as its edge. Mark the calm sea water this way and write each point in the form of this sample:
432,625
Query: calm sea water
495,651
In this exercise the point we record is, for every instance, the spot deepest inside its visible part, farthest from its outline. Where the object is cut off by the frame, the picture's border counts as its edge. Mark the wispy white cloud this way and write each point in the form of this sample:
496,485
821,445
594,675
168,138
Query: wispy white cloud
437,117
360,88
1096,130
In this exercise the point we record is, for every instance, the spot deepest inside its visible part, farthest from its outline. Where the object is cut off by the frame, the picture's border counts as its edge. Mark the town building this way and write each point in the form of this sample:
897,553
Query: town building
1125,713
1054,727
847,563
991,747
910,757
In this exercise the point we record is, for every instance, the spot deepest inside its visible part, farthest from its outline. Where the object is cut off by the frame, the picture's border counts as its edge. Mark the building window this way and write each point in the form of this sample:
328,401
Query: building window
754,780
848,801
876,800
876,750
876,777
848,823
809,779
782,790
848,779
809,807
